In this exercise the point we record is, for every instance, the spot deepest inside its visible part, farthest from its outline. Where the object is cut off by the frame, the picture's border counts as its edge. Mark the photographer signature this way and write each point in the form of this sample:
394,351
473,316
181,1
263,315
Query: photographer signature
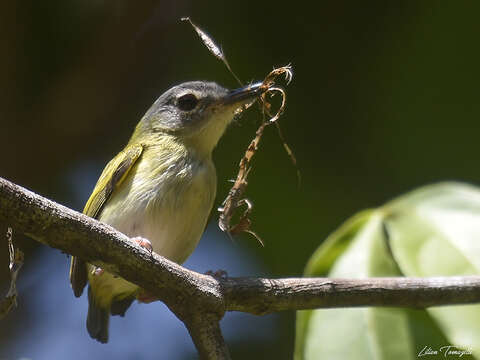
446,351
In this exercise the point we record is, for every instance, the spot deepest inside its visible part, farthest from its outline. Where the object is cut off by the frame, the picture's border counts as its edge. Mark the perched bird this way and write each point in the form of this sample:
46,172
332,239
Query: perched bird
160,187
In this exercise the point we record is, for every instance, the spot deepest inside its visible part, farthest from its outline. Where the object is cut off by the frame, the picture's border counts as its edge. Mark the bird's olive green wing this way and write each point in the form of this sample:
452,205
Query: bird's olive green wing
113,175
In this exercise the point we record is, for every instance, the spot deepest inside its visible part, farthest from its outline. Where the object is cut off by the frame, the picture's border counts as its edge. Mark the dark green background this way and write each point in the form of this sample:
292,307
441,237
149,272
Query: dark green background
384,99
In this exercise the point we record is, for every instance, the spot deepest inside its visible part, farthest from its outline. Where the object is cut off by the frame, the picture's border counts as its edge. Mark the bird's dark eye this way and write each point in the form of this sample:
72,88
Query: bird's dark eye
187,102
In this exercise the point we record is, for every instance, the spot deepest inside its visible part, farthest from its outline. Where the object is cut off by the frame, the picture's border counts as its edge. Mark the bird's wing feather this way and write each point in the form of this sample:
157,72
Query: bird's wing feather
113,175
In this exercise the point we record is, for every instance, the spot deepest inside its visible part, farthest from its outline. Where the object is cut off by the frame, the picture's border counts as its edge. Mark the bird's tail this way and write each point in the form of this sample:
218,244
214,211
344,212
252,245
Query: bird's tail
97,319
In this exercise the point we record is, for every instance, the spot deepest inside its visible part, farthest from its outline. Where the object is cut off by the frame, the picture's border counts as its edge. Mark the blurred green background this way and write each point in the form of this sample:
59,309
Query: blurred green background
384,99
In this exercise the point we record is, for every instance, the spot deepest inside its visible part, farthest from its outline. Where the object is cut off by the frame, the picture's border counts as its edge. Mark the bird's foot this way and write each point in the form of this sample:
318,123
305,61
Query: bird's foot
144,243
219,274
145,297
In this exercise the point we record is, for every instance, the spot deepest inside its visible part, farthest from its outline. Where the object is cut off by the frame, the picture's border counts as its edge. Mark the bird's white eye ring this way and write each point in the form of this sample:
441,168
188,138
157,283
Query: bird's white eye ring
187,102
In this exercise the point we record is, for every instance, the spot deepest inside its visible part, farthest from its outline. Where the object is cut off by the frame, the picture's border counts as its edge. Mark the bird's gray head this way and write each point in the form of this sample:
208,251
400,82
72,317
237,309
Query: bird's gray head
197,112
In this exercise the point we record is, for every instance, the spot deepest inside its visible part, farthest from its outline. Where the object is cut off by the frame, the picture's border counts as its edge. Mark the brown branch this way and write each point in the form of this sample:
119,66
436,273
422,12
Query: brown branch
183,291
261,296
204,328
200,301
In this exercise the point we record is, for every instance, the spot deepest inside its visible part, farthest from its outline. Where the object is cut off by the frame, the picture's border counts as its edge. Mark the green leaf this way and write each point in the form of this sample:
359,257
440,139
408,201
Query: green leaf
321,262
325,256
355,333
432,231
435,231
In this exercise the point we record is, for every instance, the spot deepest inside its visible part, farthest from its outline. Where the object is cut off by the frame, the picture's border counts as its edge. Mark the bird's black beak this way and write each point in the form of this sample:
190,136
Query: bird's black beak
245,93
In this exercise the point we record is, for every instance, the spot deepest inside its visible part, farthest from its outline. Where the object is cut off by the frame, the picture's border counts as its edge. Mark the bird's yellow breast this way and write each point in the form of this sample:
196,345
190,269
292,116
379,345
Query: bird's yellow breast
165,199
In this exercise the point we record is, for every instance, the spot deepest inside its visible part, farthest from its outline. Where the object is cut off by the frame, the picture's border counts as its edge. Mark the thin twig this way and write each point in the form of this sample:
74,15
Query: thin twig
235,199
16,262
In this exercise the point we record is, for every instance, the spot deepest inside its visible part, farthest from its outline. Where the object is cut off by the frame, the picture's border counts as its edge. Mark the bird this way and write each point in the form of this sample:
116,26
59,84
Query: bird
160,189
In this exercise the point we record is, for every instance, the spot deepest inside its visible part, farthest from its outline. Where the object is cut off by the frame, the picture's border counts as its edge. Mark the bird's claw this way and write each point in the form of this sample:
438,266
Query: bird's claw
219,274
145,297
144,243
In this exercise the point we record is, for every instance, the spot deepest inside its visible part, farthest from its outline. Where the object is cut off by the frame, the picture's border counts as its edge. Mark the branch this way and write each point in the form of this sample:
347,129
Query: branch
261,296
200,301
207,336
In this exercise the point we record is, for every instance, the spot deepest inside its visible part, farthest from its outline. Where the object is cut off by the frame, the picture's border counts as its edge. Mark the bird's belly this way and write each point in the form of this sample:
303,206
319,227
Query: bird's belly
170,237
171,212
171,216
174,229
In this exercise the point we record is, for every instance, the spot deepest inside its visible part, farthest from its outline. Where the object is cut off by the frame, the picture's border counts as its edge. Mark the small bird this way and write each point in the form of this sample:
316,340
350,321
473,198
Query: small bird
159,190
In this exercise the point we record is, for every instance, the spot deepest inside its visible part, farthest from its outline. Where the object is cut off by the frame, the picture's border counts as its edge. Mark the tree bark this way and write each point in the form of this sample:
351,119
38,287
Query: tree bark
200,301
